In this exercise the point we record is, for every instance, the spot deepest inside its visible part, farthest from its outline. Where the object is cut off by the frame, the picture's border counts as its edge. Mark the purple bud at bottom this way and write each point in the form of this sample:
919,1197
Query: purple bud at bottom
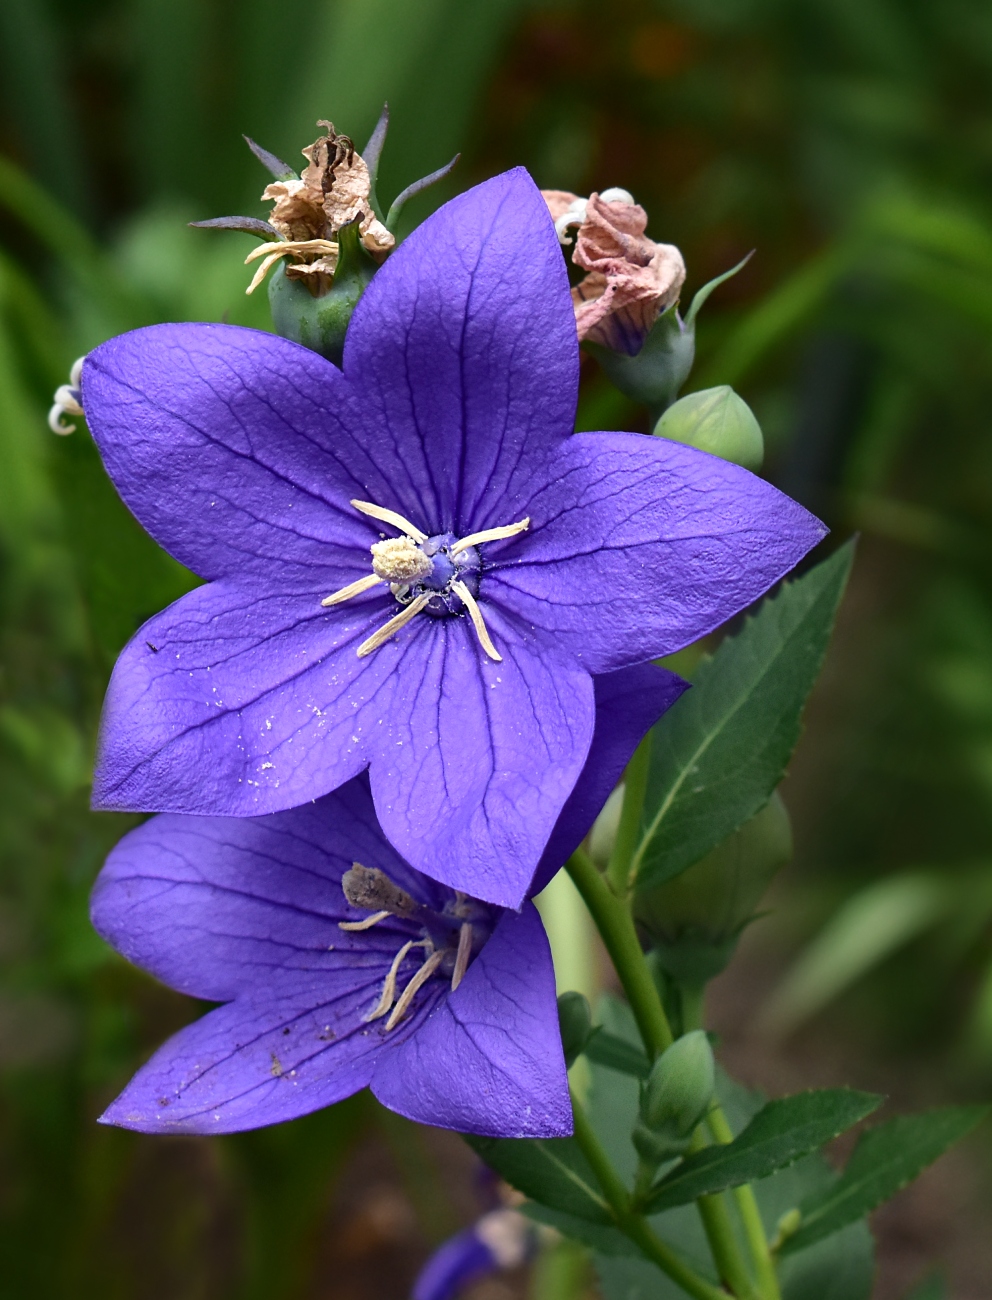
501,1239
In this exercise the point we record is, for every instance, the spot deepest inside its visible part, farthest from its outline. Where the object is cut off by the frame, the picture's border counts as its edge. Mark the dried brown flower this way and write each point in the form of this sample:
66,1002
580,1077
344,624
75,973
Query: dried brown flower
630,279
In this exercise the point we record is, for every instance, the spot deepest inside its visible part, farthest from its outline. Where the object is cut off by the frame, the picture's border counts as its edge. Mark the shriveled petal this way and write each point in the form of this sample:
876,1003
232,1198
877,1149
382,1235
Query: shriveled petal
628,704
296,1044
215,906
464,349
478,758
488,1059
233,448
239,701
639,546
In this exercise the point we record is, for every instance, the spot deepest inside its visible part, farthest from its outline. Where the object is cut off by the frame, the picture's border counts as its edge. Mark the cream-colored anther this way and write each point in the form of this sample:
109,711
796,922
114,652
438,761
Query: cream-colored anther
400,559
410,992
286,248
390,517
478,622
462,956
353,589
367,924
490,535
389,984
390,629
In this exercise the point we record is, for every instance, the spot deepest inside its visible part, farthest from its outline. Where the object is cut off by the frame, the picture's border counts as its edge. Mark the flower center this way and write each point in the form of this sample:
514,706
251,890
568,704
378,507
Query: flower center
436,575
450,938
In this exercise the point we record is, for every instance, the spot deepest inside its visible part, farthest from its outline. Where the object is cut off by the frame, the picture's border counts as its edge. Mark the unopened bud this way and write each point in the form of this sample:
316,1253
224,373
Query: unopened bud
675,1098
575,1023
694,920
718,421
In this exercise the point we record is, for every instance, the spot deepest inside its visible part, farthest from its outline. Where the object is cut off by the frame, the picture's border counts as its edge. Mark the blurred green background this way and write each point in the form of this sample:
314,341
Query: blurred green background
850,143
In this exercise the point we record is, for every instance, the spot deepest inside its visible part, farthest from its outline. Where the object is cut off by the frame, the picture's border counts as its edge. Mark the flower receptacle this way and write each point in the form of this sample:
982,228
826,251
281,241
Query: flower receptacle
654,375
321,323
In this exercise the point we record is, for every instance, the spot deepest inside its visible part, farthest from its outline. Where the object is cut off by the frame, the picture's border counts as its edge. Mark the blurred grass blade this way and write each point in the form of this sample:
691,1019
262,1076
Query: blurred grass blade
35,85
777,317
867,929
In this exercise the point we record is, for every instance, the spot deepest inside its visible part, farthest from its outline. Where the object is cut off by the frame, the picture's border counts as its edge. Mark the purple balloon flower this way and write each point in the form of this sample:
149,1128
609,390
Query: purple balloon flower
414,566
337,976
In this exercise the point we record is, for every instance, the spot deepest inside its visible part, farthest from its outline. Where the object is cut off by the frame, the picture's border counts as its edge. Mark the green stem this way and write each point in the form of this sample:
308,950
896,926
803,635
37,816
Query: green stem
635,784
633,1225
747,1205
616,927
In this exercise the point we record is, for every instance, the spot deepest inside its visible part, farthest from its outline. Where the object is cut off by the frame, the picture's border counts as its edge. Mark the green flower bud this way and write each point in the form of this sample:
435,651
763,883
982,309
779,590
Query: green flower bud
321,323
695,920
718,421
575,1023
675,1098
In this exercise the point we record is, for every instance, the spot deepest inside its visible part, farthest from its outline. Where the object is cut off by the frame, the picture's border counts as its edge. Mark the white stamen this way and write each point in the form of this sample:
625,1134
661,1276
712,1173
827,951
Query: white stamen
76,373
367,924
56,423
490,535
462,956
391,517
390,629
353,589
410,992
400,559
300,248
478,622
389,984
67,398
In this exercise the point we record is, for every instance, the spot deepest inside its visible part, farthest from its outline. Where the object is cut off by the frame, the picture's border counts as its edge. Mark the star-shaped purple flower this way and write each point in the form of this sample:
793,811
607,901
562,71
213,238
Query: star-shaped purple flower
336,976
414,566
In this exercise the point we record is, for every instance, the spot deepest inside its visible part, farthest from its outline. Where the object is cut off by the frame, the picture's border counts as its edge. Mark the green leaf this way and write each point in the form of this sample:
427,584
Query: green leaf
553,1171
600,1236
719,753
885,1159
779,1134
609,1049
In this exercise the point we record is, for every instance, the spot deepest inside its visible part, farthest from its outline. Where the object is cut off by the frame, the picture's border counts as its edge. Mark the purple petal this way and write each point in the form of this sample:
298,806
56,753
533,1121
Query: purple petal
213,906
243,702
232,447
465,352
628,704
488,1059
478,758
639,546
296,1044
457,1263
238,704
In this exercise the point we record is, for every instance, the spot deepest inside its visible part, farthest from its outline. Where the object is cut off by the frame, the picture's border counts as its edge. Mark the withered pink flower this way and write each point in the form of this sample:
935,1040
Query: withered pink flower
631,279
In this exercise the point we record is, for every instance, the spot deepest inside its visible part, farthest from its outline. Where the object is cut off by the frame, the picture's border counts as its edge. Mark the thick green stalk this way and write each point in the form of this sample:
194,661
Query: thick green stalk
754,1229
635,784
633,1225
747,1205
616,927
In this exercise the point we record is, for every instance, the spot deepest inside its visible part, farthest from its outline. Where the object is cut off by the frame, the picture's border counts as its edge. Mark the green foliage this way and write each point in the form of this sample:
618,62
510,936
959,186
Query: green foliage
781,1132
552,1171
842,1272
885,1159
723,748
